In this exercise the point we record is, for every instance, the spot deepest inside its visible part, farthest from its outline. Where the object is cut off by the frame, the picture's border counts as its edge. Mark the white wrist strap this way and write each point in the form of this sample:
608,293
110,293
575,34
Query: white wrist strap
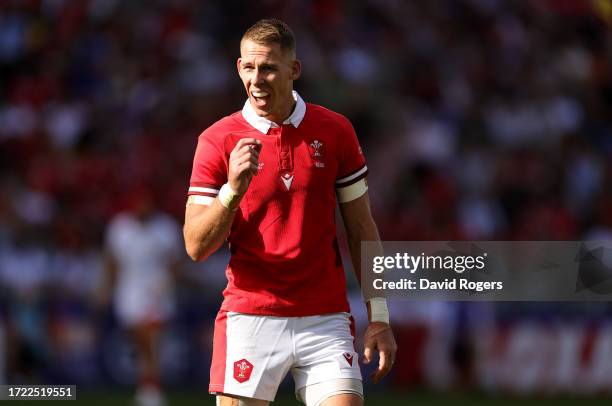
228,197
379,312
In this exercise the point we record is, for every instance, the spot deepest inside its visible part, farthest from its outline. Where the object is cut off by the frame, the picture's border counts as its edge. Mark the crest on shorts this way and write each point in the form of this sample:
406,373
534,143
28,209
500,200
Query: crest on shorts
242,370
317,153
348,357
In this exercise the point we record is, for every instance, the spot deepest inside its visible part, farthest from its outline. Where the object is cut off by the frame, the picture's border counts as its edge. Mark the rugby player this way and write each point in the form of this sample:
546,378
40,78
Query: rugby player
267,179
143,249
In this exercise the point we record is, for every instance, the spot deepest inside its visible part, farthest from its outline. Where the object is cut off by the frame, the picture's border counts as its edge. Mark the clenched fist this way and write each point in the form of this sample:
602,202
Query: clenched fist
243,164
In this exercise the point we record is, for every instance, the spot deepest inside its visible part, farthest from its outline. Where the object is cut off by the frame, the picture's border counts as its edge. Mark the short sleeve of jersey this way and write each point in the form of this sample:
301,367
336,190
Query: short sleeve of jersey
113,235
352,166
169,234
209,170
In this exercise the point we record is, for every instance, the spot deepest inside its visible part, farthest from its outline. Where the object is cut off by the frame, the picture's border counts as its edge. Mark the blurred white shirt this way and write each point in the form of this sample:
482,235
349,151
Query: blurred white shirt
144,253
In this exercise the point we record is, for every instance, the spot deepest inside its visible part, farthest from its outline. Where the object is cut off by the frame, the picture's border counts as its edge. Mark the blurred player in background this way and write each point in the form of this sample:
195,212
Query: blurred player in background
267,179
143,249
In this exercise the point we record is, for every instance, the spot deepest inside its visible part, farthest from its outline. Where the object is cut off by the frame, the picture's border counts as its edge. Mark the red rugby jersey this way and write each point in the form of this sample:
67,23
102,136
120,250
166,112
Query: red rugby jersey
284,253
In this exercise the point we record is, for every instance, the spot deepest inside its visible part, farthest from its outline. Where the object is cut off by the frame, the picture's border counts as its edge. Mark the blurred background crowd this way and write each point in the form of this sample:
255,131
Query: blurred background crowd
480,120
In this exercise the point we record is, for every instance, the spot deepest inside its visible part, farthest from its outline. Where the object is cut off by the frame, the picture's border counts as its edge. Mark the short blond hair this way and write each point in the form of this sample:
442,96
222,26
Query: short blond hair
271,31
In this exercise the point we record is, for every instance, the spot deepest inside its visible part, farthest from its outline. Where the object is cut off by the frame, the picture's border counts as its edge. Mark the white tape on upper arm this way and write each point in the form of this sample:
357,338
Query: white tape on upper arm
197,199
352,192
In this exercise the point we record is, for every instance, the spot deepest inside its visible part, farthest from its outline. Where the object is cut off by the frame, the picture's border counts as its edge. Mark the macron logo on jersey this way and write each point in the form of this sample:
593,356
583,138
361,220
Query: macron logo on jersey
287,179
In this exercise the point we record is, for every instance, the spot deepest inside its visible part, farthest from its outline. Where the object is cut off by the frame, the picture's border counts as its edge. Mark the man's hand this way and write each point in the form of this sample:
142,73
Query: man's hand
379,337
243,164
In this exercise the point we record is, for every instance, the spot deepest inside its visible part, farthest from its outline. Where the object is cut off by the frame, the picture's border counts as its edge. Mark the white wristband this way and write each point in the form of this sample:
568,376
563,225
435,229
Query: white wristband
228,197
379,312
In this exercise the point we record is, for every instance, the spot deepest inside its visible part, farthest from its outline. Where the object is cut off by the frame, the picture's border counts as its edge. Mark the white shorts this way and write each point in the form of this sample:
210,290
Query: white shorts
252,354
135,305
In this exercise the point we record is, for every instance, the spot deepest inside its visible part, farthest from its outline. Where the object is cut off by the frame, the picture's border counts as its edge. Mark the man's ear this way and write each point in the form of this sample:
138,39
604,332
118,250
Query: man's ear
296,69
238,65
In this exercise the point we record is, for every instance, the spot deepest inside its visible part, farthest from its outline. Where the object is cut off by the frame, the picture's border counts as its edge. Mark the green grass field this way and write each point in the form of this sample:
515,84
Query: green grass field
386,399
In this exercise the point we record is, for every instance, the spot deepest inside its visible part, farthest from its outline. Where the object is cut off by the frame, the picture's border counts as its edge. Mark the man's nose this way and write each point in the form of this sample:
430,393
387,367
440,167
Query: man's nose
258,76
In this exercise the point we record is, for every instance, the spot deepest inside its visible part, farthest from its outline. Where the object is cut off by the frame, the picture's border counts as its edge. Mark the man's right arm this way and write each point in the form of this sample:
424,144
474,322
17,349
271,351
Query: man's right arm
207,226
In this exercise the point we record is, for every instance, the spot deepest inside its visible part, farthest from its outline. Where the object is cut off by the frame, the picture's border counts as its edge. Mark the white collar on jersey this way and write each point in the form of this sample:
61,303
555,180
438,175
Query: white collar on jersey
263,124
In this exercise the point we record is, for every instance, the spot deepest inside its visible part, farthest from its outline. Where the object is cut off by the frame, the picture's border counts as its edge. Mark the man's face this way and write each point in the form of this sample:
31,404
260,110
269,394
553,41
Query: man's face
268,75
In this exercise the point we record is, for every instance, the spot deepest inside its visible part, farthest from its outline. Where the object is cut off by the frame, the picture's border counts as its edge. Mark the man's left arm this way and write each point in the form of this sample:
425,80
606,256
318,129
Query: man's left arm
360,227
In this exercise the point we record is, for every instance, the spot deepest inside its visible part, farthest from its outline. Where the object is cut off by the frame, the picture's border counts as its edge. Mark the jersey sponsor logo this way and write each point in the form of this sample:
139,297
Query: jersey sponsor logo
317,153
242,370
287,179
348,357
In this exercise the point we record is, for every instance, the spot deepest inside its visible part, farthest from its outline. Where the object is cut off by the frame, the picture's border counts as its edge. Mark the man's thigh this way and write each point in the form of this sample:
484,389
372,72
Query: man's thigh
344,399
337,392
327,366
225,400
251,355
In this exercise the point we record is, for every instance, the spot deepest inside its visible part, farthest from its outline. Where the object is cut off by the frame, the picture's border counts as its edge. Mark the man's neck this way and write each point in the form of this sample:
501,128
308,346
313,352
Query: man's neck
293,104
280,118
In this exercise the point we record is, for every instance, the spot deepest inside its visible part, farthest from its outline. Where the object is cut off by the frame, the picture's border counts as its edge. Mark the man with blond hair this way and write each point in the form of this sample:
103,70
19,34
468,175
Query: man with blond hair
267,179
